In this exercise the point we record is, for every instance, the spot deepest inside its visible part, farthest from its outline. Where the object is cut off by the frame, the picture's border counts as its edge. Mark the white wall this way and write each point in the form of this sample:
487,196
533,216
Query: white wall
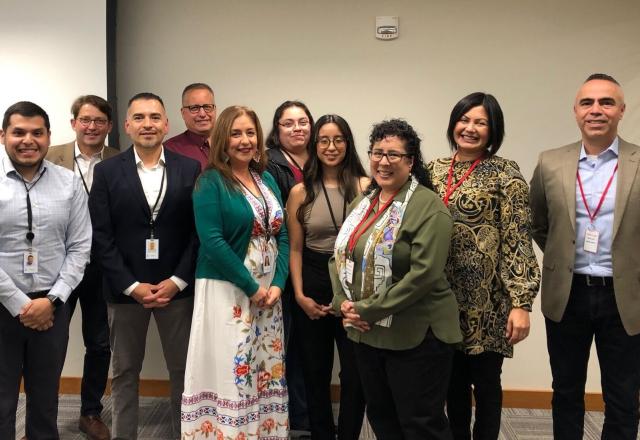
50,53
50,56
532,55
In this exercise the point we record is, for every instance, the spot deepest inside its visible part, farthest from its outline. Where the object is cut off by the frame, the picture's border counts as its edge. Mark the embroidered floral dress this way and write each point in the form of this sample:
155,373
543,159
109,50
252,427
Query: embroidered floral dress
234,381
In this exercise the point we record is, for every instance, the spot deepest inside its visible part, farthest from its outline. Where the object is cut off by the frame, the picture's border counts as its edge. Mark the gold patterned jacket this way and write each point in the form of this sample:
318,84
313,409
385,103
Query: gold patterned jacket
491,266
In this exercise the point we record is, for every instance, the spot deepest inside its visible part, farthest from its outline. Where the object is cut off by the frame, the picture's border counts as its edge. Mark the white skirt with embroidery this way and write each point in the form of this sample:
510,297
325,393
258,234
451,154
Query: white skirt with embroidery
234,381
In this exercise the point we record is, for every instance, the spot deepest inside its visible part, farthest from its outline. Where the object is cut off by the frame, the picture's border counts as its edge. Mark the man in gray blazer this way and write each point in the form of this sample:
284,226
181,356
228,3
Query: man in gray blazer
92,122
586,218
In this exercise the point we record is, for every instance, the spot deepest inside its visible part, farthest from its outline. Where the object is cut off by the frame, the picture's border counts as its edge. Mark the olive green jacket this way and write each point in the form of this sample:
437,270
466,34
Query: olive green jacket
419,297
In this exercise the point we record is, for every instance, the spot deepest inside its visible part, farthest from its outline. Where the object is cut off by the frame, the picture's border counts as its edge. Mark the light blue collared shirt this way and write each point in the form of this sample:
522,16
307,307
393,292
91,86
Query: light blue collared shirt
61,227
595,172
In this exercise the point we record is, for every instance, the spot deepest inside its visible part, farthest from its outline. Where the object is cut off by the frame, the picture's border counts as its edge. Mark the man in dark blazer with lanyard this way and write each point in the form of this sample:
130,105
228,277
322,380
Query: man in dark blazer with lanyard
92,122
586,217
145,237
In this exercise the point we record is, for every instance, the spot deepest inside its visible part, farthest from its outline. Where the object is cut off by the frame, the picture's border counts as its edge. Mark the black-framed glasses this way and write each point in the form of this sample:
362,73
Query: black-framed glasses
100,122
290,123
337,142
195,109
392,156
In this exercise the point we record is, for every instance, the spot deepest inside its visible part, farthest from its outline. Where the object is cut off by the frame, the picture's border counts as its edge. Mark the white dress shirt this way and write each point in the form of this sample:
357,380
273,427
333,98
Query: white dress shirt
151,179
84,165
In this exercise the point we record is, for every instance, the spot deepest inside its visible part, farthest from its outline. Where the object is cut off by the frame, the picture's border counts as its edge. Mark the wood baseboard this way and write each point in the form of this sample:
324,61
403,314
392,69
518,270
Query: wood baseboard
511,398
148,387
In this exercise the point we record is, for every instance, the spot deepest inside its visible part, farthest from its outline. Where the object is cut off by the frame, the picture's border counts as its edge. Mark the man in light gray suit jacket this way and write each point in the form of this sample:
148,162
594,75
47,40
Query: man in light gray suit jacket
586,219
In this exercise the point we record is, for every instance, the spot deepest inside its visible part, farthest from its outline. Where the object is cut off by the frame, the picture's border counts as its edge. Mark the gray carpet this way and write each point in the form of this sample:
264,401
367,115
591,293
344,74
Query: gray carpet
517,424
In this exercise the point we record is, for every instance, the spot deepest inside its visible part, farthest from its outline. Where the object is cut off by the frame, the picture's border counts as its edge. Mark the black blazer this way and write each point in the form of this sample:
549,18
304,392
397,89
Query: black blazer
120,216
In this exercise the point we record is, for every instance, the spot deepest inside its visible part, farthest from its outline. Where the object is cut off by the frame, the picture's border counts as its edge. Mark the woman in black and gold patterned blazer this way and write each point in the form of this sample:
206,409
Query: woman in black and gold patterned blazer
491,267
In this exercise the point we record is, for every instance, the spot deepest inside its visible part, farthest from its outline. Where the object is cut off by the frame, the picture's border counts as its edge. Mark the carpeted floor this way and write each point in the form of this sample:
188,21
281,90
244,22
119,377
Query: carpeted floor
517,424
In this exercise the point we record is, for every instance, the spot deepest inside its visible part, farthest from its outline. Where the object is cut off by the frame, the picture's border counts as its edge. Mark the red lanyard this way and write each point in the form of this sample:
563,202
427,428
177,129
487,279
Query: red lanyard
451,190
592,217
357,233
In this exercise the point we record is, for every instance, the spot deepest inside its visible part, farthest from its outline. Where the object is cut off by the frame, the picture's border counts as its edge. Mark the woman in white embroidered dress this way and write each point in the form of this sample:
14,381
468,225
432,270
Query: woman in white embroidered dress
234,381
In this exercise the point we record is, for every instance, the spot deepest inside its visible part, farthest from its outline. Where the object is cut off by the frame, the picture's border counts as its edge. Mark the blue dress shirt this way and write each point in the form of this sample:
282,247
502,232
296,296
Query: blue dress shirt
61,227
595,172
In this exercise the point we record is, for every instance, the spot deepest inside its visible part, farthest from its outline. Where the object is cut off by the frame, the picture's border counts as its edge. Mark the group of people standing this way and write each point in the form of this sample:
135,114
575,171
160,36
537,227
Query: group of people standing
423,275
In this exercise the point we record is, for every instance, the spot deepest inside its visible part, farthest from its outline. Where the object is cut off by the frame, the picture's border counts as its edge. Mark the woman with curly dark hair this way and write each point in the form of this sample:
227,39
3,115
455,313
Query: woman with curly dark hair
333,177
390,287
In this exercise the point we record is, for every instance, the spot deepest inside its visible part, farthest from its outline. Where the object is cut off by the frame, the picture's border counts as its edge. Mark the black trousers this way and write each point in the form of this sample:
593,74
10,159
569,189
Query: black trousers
95,333
482,372
298,414
405,390
316,349
593,312
37,357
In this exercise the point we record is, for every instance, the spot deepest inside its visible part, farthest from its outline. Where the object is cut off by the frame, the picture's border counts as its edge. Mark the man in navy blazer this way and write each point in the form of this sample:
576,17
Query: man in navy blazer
145,238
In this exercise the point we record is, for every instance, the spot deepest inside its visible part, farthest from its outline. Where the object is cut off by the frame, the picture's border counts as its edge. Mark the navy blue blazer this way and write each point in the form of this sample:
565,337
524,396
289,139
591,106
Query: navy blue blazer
120,217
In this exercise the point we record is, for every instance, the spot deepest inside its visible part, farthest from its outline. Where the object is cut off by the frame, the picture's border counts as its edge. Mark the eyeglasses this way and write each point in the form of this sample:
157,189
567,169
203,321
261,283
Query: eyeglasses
392,156
289,123
195,109
100,122
337,141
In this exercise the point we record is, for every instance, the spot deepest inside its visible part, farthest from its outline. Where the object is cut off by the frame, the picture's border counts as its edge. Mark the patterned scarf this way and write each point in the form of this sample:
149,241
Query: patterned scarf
377,261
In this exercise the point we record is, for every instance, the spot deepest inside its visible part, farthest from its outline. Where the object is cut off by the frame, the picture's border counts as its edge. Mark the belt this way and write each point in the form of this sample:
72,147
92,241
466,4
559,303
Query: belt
39,294
593,281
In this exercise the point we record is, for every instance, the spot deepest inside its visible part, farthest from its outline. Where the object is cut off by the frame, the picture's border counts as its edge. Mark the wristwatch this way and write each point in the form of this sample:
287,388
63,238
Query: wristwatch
55,301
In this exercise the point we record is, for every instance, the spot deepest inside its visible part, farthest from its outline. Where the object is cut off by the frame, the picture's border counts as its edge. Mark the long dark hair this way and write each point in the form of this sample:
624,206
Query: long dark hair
273,139
403,131
350,170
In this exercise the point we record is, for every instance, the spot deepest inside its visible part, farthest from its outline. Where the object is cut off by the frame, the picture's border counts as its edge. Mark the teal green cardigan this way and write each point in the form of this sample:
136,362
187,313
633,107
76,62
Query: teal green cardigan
224,220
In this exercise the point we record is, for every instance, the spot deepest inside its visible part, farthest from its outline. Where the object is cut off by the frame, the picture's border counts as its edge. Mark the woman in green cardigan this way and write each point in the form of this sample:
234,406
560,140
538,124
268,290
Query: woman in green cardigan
234,380
390,287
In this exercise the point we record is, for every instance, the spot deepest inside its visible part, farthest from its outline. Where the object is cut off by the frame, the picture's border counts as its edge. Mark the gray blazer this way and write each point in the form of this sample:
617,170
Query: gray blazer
553,207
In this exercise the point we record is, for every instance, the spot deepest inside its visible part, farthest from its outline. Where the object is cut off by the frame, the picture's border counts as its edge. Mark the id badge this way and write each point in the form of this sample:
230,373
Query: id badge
267,262
152,249
591,237
349,269
30,261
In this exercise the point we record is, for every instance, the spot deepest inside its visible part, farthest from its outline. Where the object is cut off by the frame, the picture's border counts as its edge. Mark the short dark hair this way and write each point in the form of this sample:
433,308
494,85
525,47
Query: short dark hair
273,140
602,76
146,96
494,113
196,86
405,132
27,109
96,101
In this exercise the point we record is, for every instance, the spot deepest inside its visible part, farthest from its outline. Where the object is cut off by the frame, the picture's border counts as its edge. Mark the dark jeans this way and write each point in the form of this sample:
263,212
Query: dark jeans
38,358
592,312
95,332
298,415
482,372
316,350
405,390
